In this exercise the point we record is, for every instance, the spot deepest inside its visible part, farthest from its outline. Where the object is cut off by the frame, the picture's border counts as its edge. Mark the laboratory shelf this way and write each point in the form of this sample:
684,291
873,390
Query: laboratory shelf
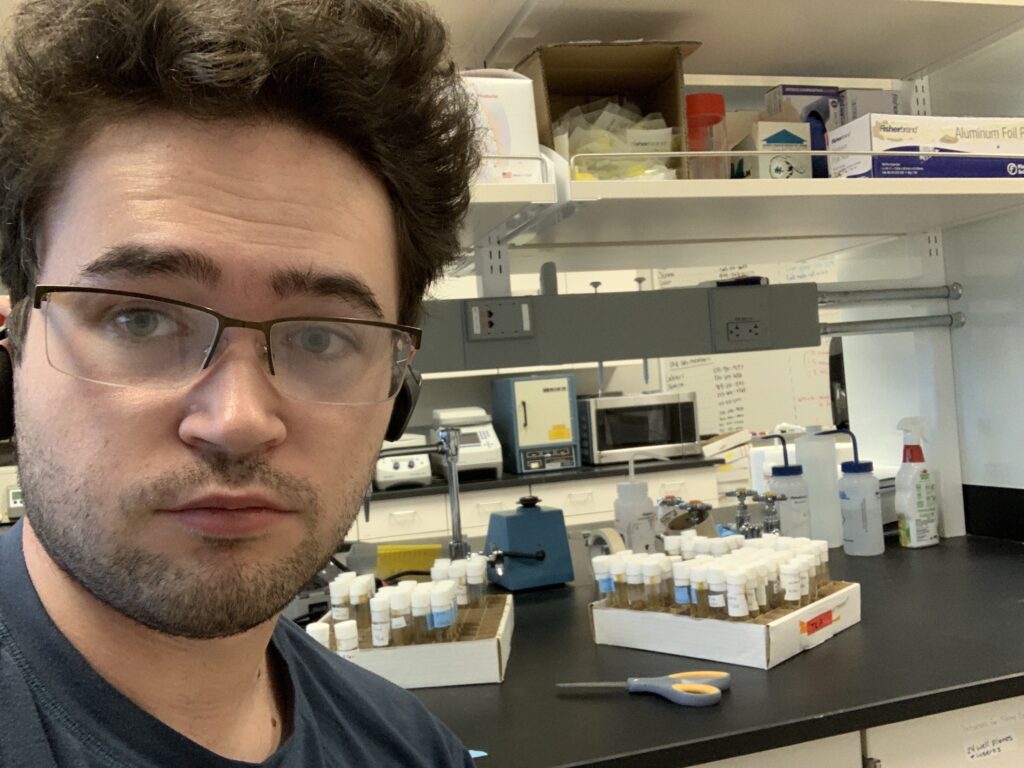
940,629
733,210
494,204
824,38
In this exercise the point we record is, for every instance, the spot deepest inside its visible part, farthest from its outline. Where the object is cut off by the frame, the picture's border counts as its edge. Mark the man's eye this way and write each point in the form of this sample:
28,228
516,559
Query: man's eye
320,341
143,323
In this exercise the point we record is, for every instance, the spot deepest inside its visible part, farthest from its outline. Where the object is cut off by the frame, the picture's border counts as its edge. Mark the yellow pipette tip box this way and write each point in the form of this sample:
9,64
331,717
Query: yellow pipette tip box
393,558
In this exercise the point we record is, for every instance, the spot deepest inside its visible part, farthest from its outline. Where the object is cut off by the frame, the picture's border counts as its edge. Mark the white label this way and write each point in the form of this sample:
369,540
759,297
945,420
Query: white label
716,600
762,595
461,594
791,584
993,745
805,583
349,654
738,605
398,622
751,597
339,613
381,632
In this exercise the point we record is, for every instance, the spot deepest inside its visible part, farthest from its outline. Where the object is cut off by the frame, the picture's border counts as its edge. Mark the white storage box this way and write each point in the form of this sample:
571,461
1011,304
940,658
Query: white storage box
762,644
857,102
958,137
508,117
482,659
780,138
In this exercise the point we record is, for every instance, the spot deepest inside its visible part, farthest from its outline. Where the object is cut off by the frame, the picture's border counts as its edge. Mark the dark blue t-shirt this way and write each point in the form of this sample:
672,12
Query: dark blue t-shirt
58,711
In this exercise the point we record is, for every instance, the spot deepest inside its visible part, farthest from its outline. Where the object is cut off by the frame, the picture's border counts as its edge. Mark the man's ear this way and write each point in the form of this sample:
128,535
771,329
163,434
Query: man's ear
6,388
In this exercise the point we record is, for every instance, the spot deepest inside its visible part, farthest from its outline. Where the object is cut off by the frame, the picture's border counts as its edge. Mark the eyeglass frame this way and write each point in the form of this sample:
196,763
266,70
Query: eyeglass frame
225,321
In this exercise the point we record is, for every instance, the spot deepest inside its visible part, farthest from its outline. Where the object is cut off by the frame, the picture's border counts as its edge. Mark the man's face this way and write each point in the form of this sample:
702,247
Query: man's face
278,222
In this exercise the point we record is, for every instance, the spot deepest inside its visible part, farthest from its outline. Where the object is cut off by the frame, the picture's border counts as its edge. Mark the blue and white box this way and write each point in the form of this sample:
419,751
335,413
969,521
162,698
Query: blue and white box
781,139
816,105
956,138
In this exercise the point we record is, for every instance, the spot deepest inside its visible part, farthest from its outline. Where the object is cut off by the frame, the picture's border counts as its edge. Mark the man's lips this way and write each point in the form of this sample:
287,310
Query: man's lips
228,515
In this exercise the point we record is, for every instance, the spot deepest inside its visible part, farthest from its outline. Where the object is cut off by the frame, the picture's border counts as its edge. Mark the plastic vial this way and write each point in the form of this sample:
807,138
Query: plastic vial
701,545
359,602
719,547
808,571
861,508
457,573
717,593
407,585
422,622
789,576
735,541
705,132
688,548
320,632
763,605
699,608
401,617
476,590
339,596
673,544
441,611
666,582
652,584
439,571
681,589
824,575
736,596
635,583
795,510
347,634
751,574
620,597
602,565
380,621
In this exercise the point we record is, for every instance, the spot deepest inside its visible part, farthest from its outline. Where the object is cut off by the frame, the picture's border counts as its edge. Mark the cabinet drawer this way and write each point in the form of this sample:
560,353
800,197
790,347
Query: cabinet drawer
476,506
700,483
397,519
592,498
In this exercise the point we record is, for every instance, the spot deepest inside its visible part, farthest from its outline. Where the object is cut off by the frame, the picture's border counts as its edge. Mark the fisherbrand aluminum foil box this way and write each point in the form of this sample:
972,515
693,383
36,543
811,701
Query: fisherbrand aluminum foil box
957,138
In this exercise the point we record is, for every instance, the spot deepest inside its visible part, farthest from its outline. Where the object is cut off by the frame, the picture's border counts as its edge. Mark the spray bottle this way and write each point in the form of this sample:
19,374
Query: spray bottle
860,504
789,485
917,505
635,512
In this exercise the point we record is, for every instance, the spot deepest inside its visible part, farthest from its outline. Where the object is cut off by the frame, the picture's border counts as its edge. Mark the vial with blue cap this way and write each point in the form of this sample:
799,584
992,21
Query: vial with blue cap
788,481
860,505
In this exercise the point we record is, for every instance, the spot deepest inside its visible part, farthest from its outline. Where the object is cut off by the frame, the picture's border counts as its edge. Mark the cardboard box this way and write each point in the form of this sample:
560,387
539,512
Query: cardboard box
567,75
763,644
508,122
857,102
479,656
718,444
956,137
816,105
778,137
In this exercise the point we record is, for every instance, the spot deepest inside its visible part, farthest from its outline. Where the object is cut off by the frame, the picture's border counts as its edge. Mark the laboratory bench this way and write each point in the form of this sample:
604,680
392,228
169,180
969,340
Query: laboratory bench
941,629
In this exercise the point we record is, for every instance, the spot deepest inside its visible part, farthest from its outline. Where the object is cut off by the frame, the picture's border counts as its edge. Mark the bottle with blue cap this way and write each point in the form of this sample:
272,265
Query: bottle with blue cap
860,504
788,484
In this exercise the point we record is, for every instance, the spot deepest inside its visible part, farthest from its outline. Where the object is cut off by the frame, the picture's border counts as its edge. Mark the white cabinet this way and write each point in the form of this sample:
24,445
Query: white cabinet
400,519
581,501
841,751
700,483
476,507
990,734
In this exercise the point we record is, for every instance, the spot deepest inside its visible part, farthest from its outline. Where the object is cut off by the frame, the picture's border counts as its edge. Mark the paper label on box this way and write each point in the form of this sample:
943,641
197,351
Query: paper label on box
816,624
381,634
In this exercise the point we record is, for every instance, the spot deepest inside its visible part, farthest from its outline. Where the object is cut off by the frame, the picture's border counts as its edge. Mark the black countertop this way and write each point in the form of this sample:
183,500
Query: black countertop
941,628
439,485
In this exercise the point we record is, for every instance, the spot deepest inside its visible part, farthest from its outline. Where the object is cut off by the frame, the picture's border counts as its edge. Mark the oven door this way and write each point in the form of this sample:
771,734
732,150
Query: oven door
658,425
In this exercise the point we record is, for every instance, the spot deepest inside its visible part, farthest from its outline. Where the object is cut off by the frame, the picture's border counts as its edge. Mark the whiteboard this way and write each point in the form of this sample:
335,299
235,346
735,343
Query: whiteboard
754,390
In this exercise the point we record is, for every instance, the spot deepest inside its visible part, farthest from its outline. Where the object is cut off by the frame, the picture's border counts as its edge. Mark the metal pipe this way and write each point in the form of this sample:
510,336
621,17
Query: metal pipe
828,296
458,547
955,320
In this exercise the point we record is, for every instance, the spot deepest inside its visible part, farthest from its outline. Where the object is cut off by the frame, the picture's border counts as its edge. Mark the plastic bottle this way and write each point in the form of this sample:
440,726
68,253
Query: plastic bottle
817,455
681,589
401,617
860,505
347,634
603,577
917,499
380,621
359,601
717,588
788,480
476,590
705,132
635,513
422,622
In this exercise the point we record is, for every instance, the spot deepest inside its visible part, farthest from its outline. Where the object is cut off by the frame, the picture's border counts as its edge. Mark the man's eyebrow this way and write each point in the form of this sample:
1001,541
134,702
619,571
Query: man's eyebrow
134,260
292,282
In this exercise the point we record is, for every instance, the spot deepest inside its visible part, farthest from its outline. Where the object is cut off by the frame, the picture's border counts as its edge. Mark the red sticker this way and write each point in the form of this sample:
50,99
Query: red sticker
819,622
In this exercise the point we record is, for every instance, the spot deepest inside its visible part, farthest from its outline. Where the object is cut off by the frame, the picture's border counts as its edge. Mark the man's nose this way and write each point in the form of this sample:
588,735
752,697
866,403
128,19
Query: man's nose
235,408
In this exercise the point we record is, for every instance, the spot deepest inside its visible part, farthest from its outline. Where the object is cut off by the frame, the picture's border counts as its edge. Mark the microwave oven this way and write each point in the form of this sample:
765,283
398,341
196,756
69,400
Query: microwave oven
613,428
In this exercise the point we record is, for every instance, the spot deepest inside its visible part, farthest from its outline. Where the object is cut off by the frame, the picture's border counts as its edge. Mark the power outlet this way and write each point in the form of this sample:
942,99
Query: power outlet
499,319
748,331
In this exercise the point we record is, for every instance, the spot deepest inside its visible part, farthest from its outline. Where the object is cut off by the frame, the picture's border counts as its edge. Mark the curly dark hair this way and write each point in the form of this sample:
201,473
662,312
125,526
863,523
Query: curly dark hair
375,75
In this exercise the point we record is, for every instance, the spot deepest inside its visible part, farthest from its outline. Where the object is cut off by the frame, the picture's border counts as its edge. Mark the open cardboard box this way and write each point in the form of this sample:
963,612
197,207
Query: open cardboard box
763,643
648,73
480,655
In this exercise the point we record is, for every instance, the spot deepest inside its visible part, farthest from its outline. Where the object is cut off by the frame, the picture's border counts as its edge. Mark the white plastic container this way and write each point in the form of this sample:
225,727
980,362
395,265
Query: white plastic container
795,511
817,455
861,509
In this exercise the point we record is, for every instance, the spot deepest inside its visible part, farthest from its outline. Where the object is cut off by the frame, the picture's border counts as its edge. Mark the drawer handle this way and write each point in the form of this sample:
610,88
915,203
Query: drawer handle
578,497
403,514
673,489
483,506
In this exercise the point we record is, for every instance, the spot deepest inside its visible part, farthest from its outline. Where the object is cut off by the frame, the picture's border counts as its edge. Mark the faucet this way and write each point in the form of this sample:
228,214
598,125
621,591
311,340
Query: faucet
448,447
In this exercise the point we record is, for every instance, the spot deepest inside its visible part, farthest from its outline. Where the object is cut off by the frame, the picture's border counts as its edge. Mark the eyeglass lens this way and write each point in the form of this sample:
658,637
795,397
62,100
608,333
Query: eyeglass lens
148,343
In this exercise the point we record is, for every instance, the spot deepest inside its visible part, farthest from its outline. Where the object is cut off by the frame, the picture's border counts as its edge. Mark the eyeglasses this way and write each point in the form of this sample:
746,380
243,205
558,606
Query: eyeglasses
136,340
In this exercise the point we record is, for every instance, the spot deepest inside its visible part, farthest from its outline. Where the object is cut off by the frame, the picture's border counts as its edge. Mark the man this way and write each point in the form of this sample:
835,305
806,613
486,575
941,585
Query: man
218,220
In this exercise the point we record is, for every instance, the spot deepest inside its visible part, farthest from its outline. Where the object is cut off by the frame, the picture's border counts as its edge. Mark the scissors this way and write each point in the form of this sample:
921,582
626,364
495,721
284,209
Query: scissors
691,689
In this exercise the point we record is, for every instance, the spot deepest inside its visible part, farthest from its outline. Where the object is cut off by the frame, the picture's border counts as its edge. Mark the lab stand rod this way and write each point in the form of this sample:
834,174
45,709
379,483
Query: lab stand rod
828,296
955,320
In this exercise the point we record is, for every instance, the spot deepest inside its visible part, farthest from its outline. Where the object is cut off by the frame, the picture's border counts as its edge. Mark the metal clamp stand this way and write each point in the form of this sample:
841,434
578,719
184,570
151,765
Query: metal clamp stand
448,447
743,526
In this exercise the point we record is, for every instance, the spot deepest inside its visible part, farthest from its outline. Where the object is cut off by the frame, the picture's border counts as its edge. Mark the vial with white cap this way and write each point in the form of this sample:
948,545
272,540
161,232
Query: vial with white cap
442,611
681,589
666,582
457,573
717,592
320,632
359,600
763,605
688,548
620,599
635,582
789,575
338,589
380,621
699,608
347,634
652,583
673,544
401,617
602,565
719,547
750,571
422,620
476,590
825,577
736,596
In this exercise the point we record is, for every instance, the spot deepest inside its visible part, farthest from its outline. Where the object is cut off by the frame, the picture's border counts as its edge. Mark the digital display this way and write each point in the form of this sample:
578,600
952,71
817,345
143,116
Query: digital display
645,425
469,438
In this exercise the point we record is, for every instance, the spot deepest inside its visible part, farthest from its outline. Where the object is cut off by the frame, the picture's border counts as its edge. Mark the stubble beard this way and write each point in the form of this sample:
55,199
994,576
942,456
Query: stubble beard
217,594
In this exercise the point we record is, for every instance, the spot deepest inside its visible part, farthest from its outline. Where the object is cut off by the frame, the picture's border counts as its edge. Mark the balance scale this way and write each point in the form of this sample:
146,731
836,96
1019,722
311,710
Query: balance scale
479,448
